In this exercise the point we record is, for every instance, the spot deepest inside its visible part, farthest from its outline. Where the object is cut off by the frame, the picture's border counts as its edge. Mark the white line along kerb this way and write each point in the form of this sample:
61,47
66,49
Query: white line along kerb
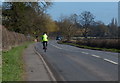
48,69
110,61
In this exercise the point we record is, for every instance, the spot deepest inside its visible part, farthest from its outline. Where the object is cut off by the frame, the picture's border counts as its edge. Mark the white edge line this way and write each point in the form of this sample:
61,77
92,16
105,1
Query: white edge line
110,61
48,69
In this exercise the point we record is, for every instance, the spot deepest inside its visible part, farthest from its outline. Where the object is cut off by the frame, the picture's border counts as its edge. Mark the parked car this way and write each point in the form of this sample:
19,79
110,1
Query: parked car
58,38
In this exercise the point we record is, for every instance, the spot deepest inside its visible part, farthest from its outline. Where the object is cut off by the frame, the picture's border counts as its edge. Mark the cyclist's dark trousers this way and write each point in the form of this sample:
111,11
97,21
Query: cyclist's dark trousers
44,44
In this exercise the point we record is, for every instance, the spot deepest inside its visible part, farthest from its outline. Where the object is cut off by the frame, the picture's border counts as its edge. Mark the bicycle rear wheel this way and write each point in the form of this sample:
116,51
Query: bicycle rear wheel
45,49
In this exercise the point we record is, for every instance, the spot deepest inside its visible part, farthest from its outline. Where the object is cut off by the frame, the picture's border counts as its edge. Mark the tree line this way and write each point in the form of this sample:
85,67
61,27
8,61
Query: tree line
31,18
84,25
27,17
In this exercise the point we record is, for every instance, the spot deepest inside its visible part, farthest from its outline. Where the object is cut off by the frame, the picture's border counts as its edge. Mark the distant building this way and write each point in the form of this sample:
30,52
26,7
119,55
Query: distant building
119,13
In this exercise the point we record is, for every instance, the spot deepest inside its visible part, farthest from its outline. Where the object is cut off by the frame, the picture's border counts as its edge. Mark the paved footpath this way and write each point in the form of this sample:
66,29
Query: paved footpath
34,67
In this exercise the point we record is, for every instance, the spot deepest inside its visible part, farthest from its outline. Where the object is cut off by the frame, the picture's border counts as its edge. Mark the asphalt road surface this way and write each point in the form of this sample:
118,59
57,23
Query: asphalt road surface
77,64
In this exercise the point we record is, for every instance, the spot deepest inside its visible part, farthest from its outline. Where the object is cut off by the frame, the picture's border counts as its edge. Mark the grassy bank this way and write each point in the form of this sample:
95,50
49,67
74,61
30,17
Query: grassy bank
12,63
89,47
0,66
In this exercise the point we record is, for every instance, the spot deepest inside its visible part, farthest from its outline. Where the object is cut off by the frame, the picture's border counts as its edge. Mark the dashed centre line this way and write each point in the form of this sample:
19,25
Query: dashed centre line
113,62
85,53
56,46
92,55
95,56
110,61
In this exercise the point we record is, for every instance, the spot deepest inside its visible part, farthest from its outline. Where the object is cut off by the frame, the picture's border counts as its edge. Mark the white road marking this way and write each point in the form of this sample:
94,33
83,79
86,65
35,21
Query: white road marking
56,46
110,61
92,55
46,66
95,56
85,53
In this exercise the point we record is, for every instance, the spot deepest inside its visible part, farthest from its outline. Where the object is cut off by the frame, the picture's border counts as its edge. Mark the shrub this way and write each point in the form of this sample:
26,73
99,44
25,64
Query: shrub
11,39
102,43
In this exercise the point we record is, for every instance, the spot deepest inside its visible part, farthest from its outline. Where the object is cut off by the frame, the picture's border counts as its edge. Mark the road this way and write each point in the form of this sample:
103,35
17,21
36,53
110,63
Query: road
76,64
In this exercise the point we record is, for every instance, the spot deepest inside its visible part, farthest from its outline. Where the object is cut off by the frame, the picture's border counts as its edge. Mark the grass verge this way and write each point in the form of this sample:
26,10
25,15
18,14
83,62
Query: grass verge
12,63
0,66
93,48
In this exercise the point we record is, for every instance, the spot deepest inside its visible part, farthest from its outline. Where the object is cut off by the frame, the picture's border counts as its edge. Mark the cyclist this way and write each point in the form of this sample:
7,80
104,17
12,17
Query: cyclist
44,40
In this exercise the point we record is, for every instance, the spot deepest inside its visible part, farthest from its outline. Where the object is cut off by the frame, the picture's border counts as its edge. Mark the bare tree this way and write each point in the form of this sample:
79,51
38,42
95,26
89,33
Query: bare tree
67,27
113,28
86,19
99,29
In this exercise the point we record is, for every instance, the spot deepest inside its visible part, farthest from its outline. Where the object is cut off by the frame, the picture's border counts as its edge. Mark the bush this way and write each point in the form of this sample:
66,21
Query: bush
102,43
11,39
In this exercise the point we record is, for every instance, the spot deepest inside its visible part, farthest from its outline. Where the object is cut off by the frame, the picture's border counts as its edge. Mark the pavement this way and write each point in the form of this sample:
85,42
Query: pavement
35,68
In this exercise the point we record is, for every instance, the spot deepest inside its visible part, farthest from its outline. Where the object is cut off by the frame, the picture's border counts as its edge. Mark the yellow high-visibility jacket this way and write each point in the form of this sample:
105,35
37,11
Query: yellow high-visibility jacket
44,37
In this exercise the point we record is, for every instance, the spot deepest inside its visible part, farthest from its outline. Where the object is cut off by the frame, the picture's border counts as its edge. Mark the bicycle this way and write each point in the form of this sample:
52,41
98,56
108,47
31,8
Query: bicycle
45,46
